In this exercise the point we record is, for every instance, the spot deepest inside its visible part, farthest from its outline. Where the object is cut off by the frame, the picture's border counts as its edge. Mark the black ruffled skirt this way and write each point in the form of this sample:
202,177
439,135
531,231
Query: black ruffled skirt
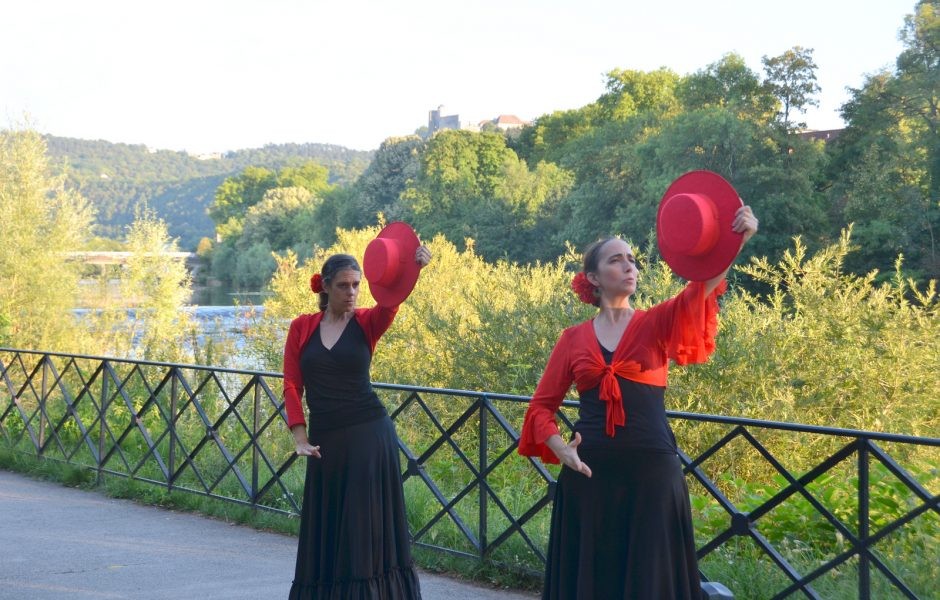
625,533
354,542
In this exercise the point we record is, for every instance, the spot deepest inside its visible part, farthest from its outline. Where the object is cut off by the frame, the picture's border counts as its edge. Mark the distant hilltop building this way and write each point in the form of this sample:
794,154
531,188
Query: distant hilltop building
208,156
505,122
437,121
825,135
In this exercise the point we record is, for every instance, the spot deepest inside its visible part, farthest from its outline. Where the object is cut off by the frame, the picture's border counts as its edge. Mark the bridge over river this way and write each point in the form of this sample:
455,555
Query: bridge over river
103,258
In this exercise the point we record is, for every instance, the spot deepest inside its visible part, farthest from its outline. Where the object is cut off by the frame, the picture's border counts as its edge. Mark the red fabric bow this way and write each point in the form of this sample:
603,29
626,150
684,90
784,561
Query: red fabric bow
605,376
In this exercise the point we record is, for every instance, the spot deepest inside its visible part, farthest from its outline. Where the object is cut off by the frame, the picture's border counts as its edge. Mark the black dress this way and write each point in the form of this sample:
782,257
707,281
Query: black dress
625,532
354,542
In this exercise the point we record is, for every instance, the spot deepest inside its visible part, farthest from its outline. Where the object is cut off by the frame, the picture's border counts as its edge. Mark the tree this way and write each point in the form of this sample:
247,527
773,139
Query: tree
471,186
458,170
278,219
158,286
606,174
791,77
886,164
396,163
526,213
777,183
882,213
41,222
236,195
916,87
254,267
631,92
544,139
310,176
731,84
274,209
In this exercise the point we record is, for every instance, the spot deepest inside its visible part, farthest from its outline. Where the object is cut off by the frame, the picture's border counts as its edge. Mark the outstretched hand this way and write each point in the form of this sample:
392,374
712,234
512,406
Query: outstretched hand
306,449
568,455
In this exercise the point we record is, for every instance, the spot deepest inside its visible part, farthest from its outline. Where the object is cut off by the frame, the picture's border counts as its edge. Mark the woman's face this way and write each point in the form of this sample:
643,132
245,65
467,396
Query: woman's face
616,269
343,290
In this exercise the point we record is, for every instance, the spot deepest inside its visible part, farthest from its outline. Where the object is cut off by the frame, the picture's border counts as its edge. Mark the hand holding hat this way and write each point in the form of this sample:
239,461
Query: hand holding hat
701,225
423,256
392,262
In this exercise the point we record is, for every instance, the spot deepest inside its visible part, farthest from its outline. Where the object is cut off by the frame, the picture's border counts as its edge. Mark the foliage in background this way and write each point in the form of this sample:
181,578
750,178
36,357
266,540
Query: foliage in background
260,211
468,323
825,347
820,347
239,194
138,311
159,287
574,175
471,185
396,163
885,168
119,180
41,221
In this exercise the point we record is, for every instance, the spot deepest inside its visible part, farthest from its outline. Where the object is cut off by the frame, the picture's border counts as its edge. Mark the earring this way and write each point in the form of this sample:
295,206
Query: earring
597,292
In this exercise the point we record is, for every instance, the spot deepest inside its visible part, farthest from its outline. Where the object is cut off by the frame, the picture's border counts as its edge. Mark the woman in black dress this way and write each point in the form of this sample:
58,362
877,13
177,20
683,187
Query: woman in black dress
354,540
621,521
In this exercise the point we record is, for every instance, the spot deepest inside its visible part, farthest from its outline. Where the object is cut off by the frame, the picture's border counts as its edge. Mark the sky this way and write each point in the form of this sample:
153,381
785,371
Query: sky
218,75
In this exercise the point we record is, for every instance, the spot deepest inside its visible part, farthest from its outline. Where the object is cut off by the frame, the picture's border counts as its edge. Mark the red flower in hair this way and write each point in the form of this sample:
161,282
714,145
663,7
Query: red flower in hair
316,283
583,288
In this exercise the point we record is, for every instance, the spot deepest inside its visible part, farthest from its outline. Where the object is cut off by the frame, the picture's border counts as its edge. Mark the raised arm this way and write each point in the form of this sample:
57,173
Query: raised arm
745,223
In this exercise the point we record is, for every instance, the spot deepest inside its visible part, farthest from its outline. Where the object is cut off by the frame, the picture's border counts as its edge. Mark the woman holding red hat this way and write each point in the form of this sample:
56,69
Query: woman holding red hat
354,540
621,521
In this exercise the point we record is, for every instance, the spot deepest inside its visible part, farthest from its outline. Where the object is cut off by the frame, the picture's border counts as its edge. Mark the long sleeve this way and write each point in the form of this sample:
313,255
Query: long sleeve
540,422
293,378
687,324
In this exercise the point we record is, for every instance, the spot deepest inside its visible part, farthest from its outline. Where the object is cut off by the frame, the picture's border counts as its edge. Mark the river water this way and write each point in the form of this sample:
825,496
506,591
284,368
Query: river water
223,296
213,323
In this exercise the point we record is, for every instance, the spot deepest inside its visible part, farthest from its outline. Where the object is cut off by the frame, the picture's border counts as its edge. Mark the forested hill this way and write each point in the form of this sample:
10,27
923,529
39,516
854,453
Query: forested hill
119,179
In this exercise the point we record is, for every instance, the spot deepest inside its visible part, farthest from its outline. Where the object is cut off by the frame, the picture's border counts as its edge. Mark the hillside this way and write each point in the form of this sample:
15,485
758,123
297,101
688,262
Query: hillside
120,179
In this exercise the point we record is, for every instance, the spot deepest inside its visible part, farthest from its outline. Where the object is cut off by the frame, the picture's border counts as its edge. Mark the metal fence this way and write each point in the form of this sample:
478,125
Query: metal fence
220,433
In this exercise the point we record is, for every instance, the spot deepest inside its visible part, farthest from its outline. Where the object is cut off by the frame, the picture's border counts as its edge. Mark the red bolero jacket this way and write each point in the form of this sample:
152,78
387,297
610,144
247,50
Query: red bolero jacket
374,322
682,329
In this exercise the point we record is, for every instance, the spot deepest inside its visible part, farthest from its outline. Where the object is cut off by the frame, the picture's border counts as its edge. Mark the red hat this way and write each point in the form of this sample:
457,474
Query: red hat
389,264
693,225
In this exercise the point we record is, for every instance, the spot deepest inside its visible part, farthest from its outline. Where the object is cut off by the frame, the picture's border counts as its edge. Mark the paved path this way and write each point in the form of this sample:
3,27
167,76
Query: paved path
59,542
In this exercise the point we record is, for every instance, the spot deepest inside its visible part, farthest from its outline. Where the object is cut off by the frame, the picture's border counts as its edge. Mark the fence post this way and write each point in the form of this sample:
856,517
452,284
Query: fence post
864,566
481,480
171,457
42,404
256,410
102,411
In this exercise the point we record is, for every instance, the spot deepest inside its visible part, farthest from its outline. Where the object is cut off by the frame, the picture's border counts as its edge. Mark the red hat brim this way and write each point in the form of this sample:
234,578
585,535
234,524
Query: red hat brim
396,292
728,243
